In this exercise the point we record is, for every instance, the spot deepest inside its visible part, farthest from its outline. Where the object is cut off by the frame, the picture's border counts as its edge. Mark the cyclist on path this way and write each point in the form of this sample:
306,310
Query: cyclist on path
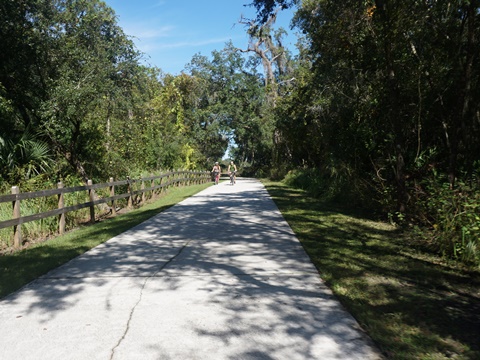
216,172
232,170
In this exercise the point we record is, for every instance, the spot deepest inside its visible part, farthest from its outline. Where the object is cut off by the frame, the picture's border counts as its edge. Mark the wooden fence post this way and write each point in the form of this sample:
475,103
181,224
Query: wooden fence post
142,188
165,182
17,229
152,185
61,217
130,197
112,193
91,195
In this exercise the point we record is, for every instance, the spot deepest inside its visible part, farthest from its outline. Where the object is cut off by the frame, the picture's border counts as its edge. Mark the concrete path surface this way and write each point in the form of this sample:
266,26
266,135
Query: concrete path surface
218,276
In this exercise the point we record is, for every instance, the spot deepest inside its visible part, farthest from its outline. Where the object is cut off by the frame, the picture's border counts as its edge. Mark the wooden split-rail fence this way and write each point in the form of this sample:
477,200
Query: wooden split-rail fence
133,196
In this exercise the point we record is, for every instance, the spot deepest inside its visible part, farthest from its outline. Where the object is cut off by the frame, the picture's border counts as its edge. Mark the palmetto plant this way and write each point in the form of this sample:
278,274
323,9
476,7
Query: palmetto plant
26,157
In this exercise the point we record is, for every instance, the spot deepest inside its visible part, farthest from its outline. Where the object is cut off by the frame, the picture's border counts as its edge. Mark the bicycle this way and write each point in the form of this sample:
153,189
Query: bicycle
232,178
216,176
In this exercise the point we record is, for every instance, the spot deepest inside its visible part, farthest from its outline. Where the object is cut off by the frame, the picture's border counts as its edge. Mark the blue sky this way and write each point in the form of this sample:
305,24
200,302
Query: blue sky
170,32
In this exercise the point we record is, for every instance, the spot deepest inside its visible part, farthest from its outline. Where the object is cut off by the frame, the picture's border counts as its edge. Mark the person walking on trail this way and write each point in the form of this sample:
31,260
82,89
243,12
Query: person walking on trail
216,172
232,171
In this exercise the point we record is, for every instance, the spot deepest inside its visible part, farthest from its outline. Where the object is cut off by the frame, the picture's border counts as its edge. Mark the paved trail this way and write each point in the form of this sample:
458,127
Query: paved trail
218,276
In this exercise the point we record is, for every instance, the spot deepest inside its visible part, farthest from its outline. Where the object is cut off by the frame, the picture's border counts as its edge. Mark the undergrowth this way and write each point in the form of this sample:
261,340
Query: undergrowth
440,220
413,304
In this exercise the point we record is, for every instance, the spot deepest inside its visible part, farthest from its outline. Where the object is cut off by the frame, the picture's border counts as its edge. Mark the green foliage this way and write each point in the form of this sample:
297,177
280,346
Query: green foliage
338,184
381,97
69,70
308,179
454,220
229,108
23,158
265,8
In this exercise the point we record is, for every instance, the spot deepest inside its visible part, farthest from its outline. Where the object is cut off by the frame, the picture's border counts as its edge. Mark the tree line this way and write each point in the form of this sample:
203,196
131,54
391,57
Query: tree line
380,107
76,100
385,111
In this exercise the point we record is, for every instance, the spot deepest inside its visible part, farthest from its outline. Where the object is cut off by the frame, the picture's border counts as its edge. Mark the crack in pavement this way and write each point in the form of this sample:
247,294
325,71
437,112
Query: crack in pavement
112,354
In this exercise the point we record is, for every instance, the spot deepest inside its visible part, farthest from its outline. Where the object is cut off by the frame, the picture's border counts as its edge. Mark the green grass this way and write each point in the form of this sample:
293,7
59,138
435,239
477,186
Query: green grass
19,268
412,304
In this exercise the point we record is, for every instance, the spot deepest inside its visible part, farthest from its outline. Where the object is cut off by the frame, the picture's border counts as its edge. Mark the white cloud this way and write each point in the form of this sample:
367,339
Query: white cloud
141,31
154,33
152,40
196,43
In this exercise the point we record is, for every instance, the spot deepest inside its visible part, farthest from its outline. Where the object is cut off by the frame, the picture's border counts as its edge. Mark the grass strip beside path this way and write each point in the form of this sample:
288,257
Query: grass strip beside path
413,305
19,268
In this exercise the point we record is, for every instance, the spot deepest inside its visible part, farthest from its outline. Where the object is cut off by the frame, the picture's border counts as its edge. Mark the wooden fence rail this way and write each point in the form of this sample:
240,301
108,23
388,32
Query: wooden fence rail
133,195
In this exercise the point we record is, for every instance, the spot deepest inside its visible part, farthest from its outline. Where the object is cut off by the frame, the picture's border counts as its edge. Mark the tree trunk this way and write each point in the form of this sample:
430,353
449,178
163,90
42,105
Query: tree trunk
462,124
394,111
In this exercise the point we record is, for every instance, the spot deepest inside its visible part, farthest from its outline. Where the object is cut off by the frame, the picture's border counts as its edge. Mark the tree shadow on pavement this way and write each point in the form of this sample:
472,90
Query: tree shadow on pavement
226,251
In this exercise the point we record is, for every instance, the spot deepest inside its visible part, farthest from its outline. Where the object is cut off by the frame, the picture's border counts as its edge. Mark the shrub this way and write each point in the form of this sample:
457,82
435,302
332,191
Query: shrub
340,186
453,217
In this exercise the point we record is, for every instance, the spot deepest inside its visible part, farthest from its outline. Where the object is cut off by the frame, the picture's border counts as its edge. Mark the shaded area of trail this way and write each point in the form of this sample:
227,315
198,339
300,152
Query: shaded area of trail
218,276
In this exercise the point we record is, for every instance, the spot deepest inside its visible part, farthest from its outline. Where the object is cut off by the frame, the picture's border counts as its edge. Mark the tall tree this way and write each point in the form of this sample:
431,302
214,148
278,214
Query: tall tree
391,83
61,63
265,8
230,103
89,61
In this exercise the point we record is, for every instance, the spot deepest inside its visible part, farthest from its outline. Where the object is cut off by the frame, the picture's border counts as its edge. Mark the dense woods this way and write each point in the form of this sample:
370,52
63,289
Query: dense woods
385,111
380,107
